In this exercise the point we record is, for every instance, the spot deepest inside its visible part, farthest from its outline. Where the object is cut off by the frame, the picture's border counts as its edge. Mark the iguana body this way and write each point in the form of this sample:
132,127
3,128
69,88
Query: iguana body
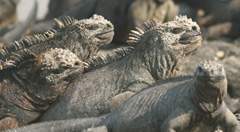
229,55
190,104
33,77
28,90
158,50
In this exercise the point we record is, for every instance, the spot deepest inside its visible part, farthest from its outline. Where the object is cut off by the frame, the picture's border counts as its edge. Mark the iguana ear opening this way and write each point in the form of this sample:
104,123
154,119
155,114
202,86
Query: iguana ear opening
136,34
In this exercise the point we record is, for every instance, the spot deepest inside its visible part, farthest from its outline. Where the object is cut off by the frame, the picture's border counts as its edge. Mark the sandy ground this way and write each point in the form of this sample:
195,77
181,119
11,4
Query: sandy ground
25,6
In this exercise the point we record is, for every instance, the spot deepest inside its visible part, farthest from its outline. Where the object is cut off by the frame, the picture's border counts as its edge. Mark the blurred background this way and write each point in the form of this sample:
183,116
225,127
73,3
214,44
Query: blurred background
22,8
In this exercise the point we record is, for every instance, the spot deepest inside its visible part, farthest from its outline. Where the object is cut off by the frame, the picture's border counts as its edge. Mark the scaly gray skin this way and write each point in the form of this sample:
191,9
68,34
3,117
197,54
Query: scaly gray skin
158,49
29,89
229,55
82,37
36,89
19,29
187,104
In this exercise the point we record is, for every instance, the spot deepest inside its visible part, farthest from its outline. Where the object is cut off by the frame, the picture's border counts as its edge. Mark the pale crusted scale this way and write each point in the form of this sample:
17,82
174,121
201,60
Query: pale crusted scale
58,58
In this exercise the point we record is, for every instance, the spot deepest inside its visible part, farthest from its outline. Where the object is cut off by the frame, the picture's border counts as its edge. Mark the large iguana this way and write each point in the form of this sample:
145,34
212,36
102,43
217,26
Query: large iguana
158,50
28,89
229,55
33,88
183,104
82,37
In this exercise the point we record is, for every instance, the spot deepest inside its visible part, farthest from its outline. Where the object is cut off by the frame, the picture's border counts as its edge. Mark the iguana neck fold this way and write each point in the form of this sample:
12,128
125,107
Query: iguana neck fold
159,63
204,94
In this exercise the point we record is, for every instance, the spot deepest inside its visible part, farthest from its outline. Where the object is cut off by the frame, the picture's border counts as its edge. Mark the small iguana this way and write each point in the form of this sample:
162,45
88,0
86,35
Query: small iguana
158,50
229,55
182,104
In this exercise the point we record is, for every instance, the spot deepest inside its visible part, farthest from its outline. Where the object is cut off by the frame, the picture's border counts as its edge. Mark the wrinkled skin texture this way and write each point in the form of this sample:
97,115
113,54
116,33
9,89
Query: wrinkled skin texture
182,104
29,90
155,57
82,37
229,55
33,84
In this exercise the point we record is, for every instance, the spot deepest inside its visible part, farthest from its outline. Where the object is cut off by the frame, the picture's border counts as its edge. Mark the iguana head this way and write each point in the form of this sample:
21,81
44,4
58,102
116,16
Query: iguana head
57,64
211,85
96,30
210,70
161,46
7,11
180,37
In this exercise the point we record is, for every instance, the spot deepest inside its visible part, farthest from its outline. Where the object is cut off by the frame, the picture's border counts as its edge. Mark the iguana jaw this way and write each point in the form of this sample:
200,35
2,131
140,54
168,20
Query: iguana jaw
105,37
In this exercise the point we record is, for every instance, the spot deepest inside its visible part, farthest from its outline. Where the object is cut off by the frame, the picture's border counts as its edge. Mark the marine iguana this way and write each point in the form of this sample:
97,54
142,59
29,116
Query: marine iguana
182,104
158,50
229,55
82,37
37,88
26,91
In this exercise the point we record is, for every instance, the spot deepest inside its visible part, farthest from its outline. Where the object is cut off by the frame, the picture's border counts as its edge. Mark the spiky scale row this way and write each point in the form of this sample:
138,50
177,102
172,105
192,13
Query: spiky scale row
16,59
26,42
135,35
36,39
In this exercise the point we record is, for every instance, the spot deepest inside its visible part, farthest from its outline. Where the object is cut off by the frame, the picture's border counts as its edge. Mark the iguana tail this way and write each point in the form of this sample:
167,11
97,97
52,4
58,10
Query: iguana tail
72,125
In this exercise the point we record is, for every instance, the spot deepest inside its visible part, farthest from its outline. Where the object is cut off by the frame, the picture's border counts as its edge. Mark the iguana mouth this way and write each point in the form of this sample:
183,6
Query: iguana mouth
213,78
190,37
105,35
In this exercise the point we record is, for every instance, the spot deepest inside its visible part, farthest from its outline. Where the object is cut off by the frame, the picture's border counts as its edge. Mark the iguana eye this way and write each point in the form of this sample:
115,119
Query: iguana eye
177,30
92,27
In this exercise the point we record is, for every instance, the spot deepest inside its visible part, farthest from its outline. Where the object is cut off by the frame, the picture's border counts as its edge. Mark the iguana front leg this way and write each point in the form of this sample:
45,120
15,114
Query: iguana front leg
229,122
179,120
